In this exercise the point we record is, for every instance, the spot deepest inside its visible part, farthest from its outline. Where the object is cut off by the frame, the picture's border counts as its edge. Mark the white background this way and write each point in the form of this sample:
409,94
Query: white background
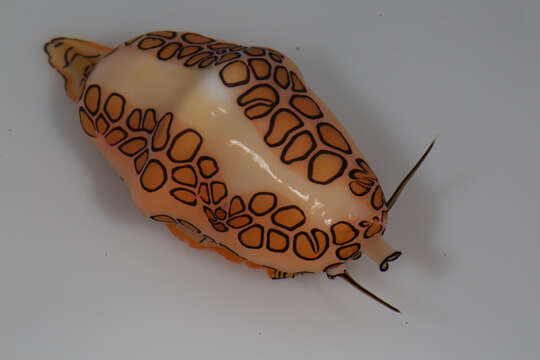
83,275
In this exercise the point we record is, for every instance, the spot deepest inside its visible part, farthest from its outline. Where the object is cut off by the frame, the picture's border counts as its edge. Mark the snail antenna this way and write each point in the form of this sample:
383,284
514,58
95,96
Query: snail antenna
348,278
404,182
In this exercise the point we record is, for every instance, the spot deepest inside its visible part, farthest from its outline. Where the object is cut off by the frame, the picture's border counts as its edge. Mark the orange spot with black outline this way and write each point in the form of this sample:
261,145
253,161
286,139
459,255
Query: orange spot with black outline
219,191
364,167
263,93
310,247
164,33
239,221
325,167
377,199
194,38
169,51
275,56
343,232
133,146
260,67
281,77
188,51
163,218
219,227
154,176
306,106
210,214
87,123
185,175
149,120
346,252
298,85
197,58
207,62
207,166
134,120
114,107
140,161
254,51
150,43
92,99
162,134
235,73
262,98
359,188
289,217
102,125
220,213
299,148
283,122
277,241
361,177
236,206
257,111
115,136
262,203
228,57
204,193
189,225
252,237
185,196
185,146
333,137
373,230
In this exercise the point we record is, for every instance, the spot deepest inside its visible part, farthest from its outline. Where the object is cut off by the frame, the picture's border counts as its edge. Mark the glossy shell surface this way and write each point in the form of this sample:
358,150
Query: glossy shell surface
229,143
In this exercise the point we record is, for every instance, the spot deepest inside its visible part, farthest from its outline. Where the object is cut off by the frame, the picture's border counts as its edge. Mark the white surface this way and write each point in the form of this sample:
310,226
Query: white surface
83,275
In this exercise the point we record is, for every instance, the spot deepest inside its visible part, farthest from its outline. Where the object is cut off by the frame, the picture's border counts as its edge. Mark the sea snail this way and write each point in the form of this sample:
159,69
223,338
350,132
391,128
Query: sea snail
229,147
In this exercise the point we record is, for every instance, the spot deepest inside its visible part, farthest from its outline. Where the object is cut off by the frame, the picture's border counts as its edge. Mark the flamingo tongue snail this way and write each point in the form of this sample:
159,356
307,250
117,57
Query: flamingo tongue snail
228,146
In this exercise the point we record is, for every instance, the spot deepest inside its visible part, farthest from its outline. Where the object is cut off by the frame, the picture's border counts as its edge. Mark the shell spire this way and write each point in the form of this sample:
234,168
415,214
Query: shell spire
74,59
